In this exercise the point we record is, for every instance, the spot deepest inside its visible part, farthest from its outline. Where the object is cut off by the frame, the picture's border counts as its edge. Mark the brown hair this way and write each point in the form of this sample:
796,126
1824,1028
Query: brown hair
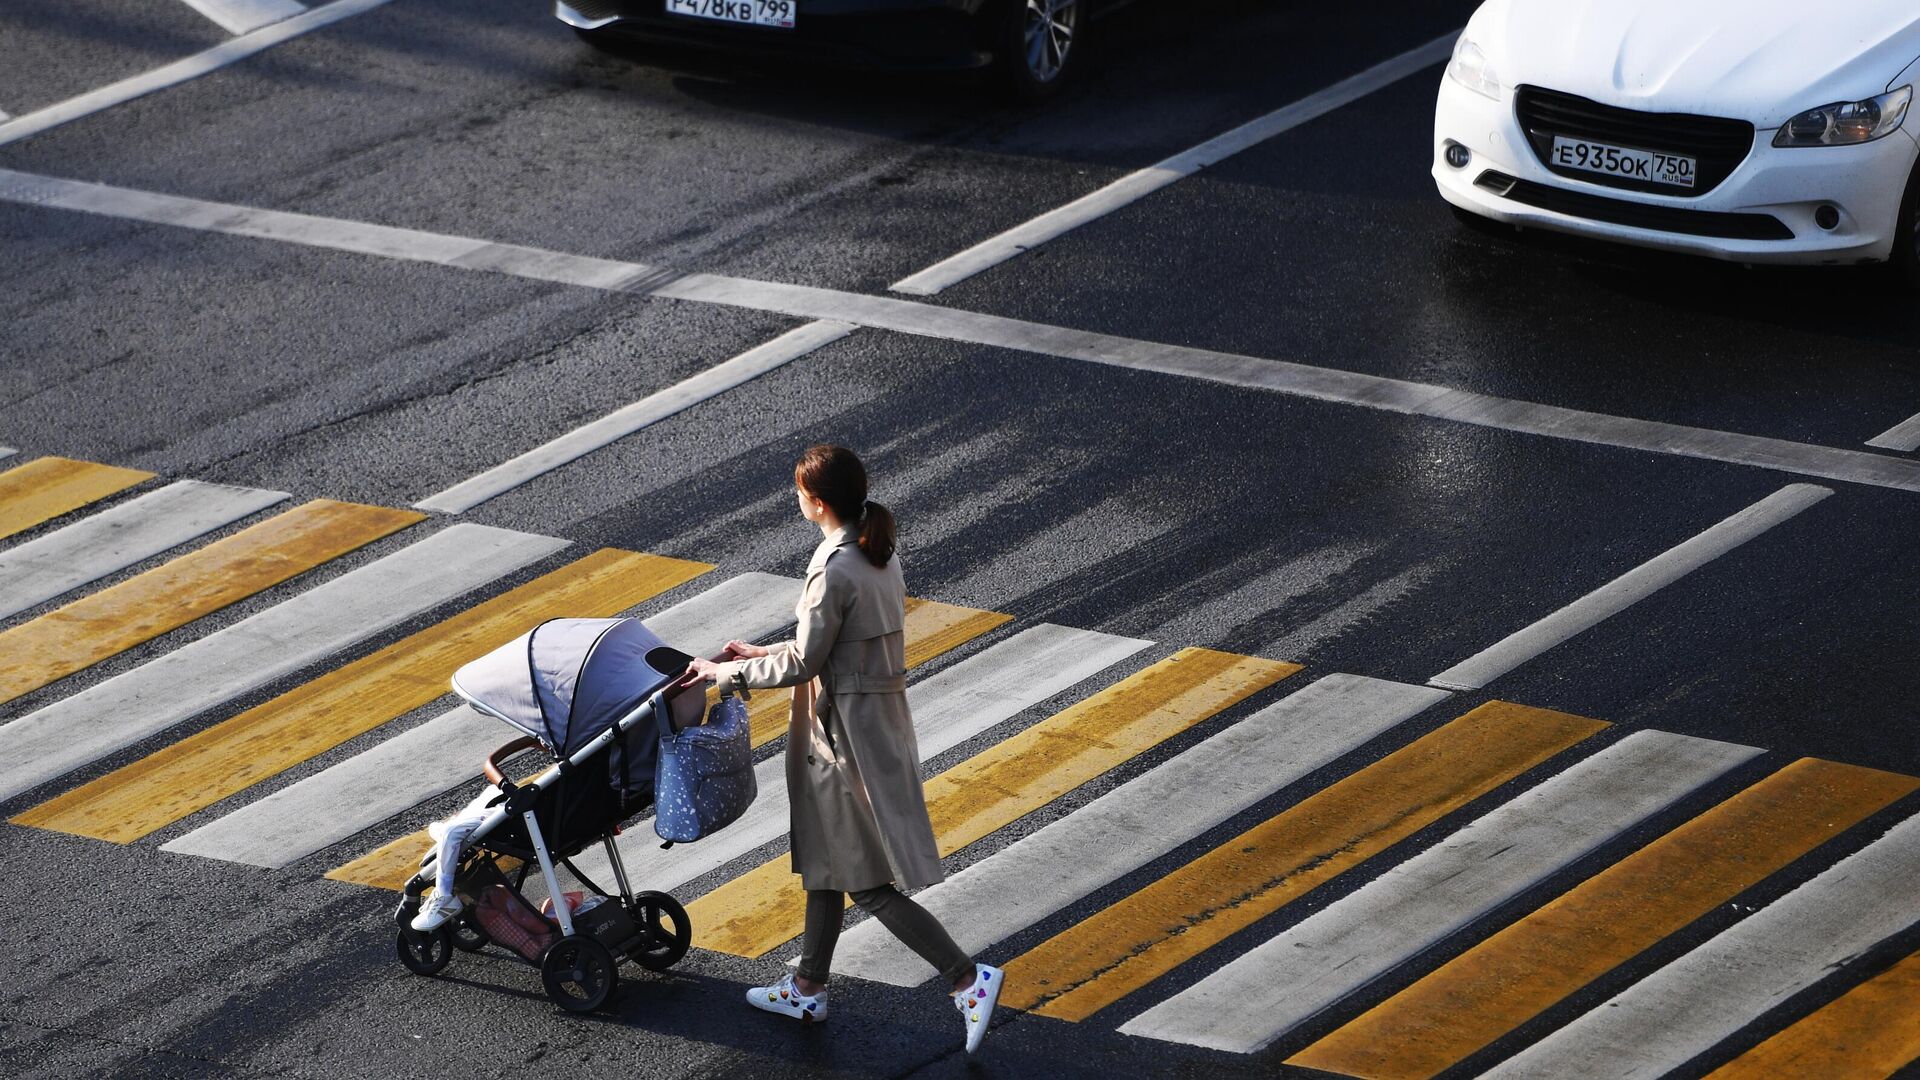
834,475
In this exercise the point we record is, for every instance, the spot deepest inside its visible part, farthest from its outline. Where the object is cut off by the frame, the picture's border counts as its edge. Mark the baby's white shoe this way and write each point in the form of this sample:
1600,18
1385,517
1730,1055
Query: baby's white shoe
437,909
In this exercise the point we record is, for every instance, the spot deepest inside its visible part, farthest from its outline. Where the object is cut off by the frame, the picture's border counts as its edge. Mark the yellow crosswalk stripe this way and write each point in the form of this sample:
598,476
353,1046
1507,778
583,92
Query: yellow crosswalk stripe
230,756
932,628
42,490
390,865
1527,967
765,907
1141,937
141,608
1868,1033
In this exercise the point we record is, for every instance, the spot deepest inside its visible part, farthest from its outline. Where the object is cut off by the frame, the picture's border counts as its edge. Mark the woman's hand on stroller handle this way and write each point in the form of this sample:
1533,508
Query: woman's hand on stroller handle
745,650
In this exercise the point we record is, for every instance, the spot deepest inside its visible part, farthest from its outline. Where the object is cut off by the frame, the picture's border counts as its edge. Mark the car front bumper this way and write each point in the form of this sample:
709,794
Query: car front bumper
1863,183
924,35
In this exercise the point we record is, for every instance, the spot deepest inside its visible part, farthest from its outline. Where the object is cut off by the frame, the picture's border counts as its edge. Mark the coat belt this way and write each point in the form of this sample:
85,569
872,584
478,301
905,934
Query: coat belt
853,682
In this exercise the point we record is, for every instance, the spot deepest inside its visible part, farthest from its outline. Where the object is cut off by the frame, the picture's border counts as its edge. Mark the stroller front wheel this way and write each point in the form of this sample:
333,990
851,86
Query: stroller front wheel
424,954
665,931
579,973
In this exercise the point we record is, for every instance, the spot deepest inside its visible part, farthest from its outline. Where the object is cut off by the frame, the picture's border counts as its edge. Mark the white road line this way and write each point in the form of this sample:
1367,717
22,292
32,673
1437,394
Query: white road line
1629,588
1682,1010
192,67
1903,436
114,539
1143,819
1134,186
647,411
175,687
446,751
246,16
926,320
948,709
807,339
7,451
1282,982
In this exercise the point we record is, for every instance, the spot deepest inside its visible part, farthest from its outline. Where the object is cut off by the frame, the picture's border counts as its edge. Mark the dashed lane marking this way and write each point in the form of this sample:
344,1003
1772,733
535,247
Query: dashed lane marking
149,699
192,67
1869,1033
47,487
760,910
246,16
176,593
445,752
50,566
1143,819
1518,973
1629,588
1683,1009
236,753
1286,980
926,320
1143,936
1137,185
641,414
949,708
932,628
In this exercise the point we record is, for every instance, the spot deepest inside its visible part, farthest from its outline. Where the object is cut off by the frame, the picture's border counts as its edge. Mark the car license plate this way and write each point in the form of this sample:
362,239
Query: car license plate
1651,166
751,12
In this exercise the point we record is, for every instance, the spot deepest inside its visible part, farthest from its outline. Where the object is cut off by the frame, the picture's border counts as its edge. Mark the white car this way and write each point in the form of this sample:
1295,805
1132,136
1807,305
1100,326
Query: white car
1761,131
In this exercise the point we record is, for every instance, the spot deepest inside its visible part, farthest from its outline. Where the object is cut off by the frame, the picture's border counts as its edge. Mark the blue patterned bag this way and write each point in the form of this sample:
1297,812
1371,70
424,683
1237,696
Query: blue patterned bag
704,779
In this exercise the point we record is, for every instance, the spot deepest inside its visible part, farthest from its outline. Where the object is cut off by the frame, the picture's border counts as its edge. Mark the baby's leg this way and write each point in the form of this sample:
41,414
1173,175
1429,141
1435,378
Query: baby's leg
459,828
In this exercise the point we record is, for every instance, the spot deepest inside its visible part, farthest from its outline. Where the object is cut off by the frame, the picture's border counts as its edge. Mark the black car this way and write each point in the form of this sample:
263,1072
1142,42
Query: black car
1032,45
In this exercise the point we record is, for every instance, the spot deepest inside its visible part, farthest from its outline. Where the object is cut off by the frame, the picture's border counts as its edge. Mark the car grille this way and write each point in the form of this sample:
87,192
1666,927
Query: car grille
1671,219
1719,145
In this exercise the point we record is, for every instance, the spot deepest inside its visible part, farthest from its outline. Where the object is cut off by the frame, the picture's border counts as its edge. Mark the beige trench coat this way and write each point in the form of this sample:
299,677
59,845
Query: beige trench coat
853,763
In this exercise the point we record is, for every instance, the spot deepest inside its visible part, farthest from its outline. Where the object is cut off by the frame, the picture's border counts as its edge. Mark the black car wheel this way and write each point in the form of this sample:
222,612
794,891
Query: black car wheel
665,931
1039,45
424,953
1905,263
579,973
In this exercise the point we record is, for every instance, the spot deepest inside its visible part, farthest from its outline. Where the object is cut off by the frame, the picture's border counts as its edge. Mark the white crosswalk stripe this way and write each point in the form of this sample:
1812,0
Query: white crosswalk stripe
948,709
1682,1010
245,16
1143,819
67,734
114,539
446,751
1268,991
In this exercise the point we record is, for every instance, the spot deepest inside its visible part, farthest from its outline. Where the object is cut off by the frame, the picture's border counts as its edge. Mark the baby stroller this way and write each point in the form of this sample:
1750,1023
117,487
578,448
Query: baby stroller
585,690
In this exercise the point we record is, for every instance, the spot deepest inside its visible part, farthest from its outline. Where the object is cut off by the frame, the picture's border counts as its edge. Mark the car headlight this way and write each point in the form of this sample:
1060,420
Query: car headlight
1470,69
1847,123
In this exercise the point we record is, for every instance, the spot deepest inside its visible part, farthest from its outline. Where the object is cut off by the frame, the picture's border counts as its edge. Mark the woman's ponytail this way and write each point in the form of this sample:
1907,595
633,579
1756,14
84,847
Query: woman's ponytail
835,476
876,533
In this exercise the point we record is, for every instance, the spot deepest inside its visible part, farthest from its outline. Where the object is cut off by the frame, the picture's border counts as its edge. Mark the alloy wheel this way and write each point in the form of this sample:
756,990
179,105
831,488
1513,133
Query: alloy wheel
1050,29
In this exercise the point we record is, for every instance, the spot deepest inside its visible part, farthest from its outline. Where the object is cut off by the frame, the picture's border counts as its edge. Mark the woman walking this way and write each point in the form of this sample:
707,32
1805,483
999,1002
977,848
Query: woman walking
853,765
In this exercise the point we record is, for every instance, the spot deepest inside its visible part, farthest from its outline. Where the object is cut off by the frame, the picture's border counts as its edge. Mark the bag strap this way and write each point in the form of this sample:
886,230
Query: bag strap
662,716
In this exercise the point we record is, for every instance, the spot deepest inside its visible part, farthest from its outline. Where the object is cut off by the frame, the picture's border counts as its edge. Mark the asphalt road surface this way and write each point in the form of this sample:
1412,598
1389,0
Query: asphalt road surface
1579,552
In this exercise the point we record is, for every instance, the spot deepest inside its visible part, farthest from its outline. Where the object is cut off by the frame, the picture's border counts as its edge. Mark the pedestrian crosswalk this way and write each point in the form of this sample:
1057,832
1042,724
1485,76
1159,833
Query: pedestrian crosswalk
1238,797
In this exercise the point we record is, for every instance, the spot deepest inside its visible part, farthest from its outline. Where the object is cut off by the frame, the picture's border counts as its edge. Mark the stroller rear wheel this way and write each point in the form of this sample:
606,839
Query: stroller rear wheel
665,931
579,973
424,954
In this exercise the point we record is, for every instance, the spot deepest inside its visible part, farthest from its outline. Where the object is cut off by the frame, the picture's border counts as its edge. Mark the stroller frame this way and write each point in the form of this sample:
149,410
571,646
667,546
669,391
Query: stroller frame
580,968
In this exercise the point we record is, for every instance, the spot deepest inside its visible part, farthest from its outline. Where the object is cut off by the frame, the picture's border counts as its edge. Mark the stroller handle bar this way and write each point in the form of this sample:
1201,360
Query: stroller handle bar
492,767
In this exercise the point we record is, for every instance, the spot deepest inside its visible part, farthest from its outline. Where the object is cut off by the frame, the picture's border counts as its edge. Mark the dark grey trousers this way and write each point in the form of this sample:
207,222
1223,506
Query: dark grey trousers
914,925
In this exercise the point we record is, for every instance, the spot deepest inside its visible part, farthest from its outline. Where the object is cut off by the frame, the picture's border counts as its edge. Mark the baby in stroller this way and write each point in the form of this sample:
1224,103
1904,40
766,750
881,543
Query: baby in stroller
497,682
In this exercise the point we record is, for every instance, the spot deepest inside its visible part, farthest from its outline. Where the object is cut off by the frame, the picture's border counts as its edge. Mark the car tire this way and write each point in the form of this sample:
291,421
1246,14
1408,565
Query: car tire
1904,266
1031,64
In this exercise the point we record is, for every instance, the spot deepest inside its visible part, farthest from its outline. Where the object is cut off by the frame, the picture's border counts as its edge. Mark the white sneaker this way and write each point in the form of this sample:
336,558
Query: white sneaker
437,830
787,1000
976,1002
437,909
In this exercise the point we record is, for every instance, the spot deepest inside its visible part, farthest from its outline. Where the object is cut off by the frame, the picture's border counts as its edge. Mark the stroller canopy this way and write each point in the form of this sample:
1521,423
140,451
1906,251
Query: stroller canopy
567,680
